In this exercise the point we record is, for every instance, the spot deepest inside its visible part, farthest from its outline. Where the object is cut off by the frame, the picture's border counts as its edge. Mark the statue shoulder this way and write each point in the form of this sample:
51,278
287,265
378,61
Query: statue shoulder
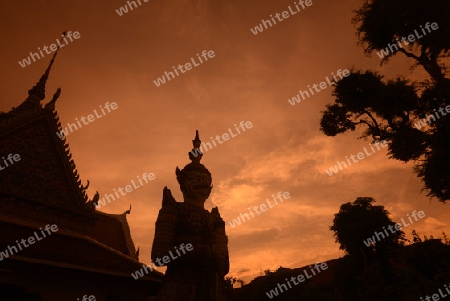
168,199
169,211
218,221
169,204
215,212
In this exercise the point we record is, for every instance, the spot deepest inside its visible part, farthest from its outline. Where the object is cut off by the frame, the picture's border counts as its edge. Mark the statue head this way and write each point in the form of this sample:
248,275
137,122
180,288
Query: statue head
195,179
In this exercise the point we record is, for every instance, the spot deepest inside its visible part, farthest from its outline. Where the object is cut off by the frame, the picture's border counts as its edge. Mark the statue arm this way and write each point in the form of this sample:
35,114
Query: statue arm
165,227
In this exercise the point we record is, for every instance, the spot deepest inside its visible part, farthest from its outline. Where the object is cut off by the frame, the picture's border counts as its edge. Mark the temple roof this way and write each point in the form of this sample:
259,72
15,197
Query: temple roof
45,187
46,167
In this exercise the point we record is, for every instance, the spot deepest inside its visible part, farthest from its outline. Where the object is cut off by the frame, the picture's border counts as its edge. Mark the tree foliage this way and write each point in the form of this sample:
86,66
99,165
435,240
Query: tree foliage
356,222
380,22
394,110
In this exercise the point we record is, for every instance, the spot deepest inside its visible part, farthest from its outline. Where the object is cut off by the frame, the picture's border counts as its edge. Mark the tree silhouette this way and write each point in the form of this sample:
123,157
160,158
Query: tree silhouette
409,115
383,22
356,222
445,238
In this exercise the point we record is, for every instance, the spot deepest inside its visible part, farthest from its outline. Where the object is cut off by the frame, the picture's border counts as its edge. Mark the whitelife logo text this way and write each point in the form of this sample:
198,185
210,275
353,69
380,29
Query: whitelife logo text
360,156
11,158
323,85
165,260
124,9
262,207
379,235
300,278
162,80
90,118
110,197
284,15
411,38
11,250
205,145
33,55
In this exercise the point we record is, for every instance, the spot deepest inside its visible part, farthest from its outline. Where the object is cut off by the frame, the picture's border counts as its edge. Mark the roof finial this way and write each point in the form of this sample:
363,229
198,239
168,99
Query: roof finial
37,93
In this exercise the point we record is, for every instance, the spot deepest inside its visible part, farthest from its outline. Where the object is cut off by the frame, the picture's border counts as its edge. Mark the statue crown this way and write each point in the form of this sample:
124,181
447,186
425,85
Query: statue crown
195,155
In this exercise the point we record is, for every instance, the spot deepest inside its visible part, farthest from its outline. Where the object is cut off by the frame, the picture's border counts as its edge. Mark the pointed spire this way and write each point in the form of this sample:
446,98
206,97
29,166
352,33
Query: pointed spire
51,105
196,154
37,93
196,142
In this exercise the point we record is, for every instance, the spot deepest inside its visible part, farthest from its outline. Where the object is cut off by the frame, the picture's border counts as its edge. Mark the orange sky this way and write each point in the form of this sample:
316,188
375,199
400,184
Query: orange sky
250,78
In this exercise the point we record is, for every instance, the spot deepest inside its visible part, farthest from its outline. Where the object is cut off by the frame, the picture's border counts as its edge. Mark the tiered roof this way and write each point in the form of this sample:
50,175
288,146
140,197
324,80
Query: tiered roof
44,187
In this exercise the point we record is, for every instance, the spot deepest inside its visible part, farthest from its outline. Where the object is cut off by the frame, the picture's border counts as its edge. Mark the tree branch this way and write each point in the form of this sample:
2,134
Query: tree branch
363,121
373,119
426,61
409,54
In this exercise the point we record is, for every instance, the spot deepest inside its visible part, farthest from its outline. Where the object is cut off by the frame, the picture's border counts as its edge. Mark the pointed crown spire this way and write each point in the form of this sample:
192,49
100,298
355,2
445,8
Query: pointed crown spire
195,155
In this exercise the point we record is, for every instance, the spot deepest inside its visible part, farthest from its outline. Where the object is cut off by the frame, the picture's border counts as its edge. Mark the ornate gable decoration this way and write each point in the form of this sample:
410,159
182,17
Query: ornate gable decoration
46,172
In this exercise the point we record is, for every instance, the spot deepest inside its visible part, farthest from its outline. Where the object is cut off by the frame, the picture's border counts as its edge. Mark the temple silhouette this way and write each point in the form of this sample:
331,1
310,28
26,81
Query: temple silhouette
91,253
